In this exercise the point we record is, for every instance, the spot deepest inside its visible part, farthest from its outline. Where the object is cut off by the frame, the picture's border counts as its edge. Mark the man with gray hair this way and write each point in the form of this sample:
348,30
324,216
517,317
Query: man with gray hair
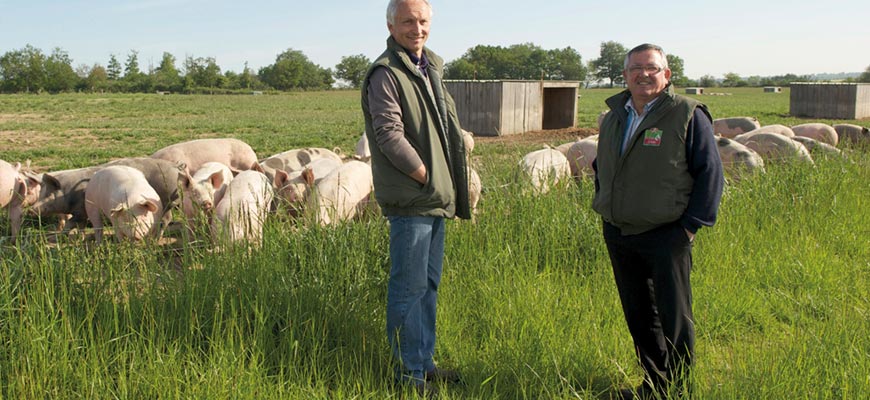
658,179
418,165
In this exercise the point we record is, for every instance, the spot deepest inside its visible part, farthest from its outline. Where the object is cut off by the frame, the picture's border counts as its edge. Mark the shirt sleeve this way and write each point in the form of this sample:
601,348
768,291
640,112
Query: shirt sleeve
705,167
383,97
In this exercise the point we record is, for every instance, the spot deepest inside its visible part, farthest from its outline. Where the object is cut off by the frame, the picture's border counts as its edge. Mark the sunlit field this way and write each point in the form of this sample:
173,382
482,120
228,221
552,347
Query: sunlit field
528,308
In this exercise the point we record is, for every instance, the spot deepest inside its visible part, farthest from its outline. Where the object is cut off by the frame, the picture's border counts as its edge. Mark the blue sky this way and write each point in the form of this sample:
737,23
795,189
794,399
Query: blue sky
760,37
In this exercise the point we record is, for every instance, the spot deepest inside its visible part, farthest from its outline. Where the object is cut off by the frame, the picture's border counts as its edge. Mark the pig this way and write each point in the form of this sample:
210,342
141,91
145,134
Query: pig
580,156
737,158
777,129
820,132
852,134
242,208
816,147
731,127
234,153
474,189
601,116
294,160
122,194
362,151
199,191
544,168
342,194
298,184
9,180
563,148
59,193
468,141
775,147
163,176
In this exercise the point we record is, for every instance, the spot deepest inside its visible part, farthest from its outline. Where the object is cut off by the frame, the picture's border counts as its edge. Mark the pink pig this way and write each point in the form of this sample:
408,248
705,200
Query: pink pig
123,195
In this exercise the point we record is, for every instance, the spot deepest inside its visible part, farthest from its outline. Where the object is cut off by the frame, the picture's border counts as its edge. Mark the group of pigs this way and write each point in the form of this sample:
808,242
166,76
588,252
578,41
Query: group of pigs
219,182
743,146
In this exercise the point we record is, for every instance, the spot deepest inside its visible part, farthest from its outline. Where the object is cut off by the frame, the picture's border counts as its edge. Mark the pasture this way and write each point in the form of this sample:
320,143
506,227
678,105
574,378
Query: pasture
528,308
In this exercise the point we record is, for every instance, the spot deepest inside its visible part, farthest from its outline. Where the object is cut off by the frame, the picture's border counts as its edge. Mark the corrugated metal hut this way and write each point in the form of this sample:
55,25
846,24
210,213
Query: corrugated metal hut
772,89
694,90
507,107
830,100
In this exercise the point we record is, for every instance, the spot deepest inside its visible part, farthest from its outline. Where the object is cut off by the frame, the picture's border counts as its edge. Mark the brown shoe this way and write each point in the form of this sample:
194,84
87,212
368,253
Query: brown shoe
443,375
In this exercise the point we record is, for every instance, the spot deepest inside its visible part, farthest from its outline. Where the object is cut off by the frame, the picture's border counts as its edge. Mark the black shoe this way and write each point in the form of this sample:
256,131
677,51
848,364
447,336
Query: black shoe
425,391
443,375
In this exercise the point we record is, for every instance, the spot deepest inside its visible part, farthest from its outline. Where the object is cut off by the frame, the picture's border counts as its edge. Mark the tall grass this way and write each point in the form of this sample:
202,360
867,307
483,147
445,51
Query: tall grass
528,306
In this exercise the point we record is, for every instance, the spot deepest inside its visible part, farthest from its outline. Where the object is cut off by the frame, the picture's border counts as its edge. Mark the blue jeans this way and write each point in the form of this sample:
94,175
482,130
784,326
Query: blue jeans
417,255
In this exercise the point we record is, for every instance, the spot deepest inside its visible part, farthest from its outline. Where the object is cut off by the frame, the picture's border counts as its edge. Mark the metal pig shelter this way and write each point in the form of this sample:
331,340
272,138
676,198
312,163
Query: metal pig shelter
507,107
830,100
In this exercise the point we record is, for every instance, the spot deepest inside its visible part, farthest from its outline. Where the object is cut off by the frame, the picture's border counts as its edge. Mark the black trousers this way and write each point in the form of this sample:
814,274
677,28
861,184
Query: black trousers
651,270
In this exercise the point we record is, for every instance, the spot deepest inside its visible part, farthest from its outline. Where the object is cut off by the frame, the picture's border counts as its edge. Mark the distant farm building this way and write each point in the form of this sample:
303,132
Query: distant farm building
694,90
507,107
772,89
830,100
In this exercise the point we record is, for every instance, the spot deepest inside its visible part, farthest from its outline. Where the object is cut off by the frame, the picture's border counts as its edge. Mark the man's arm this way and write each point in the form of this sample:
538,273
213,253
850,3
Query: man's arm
389,130
705,166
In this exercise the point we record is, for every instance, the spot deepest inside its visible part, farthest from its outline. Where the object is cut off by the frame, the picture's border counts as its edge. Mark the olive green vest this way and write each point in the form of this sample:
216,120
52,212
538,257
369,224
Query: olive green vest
432,127
649,185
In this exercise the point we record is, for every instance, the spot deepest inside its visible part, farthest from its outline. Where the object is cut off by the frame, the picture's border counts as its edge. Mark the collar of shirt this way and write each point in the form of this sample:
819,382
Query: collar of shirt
421,62
634,120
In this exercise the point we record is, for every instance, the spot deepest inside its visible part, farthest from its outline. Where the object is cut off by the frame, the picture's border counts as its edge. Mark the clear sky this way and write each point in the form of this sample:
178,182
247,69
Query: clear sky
759,37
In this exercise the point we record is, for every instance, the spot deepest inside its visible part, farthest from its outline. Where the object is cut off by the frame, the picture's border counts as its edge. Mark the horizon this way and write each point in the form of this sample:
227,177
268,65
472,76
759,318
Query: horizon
727,39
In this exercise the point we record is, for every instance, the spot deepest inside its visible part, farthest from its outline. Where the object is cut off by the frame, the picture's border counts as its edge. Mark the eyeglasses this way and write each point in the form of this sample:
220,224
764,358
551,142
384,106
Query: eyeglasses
649,69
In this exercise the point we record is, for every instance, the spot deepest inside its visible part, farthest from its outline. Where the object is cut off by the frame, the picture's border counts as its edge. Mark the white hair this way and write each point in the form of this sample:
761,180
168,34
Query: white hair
393,6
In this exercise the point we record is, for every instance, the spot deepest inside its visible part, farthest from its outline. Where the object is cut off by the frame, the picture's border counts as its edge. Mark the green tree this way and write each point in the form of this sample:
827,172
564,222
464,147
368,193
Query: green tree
610,62
113,68
352,69
293,70
202,73
731,79
22,70
134,80
865,76
678,74
59,73
166,77
97,79
519,61
707,81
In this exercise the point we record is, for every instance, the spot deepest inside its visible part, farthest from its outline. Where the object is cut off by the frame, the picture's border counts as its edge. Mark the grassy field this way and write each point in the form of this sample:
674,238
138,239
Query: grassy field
528,307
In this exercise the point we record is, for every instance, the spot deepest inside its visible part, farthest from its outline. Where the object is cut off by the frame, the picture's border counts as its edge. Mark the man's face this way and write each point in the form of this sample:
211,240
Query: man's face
645,76
411,27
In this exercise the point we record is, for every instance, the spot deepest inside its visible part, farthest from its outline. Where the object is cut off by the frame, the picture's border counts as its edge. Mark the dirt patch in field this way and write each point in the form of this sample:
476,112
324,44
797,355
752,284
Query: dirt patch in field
553,137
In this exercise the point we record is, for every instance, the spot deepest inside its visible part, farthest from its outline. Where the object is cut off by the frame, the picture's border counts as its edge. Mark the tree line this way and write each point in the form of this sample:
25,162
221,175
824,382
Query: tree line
29,70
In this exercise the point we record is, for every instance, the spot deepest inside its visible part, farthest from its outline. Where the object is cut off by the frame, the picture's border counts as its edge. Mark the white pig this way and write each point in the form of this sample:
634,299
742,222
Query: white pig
123,195
298,185
818,131
9,180
775,147
294,160
580,156
234,153
342,194
242,208
544,168
200,189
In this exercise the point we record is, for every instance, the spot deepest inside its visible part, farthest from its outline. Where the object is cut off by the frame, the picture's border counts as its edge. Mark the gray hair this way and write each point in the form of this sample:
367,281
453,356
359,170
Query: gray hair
645,47
394,6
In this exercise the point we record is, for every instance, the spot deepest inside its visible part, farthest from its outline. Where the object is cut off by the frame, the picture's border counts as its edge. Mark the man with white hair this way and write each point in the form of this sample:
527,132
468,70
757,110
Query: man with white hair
418,166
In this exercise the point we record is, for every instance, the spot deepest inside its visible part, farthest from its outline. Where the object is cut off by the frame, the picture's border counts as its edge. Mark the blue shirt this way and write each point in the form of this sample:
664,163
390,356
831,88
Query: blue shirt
633,122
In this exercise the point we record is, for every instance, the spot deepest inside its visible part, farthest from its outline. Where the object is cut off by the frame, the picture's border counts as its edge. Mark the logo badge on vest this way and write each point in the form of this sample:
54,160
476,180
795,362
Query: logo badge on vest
652,137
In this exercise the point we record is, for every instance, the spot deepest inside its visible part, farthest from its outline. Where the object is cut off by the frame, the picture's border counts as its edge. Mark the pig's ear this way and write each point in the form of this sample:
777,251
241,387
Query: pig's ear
20,188
17,167
281,179
257,167
216,179
148,205
308,176
50,180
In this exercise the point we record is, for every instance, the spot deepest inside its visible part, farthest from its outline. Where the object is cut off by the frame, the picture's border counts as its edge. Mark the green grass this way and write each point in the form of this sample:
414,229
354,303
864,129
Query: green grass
528,307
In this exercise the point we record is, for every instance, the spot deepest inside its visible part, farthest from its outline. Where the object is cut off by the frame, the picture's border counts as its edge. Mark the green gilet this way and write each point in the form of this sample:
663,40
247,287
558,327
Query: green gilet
432,127
649,185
